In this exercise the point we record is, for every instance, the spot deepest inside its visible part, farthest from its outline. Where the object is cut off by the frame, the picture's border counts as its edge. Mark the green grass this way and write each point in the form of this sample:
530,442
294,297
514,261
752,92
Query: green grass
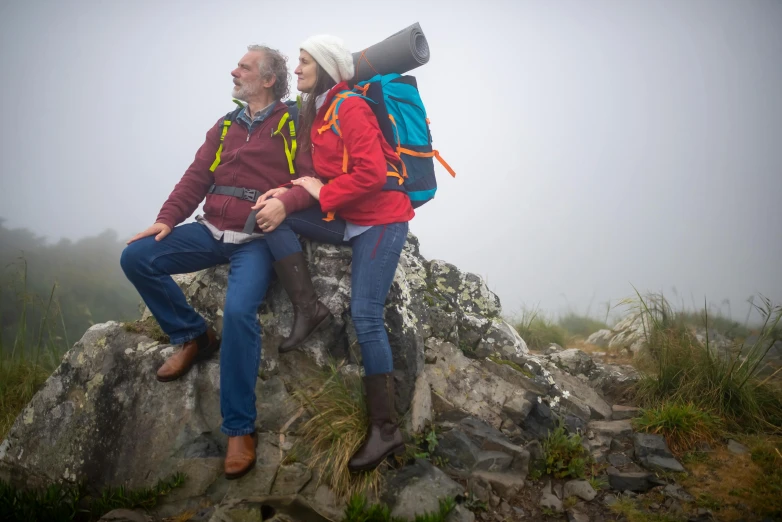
358,510
718,322
564,454
20,379
538,331
580,325
682,425
768,486
66,502
148,327
678,369
629,509
35,352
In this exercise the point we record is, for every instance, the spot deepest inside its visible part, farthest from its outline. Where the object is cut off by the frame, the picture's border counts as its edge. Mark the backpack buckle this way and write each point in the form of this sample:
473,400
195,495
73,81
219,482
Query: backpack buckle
250,194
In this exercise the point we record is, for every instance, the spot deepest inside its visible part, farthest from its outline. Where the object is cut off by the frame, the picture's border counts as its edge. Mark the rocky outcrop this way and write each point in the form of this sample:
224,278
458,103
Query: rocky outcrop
104,418
464,377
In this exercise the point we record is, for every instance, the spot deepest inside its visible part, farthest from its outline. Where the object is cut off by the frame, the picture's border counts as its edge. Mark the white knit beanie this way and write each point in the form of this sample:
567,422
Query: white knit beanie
331,54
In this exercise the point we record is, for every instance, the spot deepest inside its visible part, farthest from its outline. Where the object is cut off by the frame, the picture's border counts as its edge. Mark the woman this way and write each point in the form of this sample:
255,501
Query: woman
373,221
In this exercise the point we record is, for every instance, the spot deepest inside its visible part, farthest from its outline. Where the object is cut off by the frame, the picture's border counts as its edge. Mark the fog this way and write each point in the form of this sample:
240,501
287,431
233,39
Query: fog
599,146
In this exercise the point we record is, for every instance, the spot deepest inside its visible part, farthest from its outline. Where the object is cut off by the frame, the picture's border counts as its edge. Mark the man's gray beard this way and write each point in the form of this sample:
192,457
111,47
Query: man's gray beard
242,93
238,93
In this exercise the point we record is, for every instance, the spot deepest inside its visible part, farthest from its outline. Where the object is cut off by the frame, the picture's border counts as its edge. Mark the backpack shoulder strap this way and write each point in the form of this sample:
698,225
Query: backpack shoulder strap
291,118
227,121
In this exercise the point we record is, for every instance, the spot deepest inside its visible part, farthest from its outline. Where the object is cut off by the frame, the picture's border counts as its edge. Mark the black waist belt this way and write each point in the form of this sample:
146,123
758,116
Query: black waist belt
237,192
241,193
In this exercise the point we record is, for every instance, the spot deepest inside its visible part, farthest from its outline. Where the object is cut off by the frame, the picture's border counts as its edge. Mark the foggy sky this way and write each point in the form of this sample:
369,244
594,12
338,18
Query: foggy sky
597,145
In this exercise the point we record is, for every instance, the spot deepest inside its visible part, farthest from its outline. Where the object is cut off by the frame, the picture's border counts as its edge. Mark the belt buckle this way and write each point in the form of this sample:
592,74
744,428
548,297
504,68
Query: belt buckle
249,194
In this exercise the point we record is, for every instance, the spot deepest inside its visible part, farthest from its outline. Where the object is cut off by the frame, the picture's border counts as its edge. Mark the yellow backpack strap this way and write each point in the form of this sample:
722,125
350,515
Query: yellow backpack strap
216,162
290,151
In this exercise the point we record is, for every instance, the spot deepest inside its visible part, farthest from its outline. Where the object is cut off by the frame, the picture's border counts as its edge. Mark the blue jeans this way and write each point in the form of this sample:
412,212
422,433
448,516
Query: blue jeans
375,258
148,264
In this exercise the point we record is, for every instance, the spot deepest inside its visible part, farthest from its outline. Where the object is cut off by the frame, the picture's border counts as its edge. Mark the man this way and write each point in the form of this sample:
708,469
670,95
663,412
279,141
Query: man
237,163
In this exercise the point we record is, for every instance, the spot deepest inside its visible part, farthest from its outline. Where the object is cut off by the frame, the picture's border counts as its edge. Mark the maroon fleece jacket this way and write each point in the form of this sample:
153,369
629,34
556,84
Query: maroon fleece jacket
253,161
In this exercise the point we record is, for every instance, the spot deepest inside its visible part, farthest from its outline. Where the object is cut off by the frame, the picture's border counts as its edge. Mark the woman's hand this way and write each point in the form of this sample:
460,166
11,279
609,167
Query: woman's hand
271,193
310,184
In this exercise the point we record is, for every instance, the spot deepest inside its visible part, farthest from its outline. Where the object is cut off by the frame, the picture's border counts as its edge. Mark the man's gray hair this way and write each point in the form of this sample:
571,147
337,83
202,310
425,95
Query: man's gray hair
275,64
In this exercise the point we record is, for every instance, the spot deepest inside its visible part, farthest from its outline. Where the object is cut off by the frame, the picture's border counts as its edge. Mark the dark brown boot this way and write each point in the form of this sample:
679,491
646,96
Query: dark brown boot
240,456
383,436
192,351
309,314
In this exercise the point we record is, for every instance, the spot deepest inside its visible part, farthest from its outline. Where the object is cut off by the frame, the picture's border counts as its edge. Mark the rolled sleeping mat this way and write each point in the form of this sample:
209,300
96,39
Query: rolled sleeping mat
399,53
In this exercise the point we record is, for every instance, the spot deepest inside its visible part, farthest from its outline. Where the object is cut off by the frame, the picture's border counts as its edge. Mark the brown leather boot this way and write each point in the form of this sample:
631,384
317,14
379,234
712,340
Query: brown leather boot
194,350
240,456
309,314
383,436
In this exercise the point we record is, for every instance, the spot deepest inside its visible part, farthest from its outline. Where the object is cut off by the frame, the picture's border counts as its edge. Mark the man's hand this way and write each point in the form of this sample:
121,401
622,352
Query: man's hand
310,184
271,193
271,214
159,230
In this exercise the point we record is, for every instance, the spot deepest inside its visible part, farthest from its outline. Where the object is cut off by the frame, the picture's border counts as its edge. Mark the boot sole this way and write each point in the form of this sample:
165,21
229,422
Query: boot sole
325,322
234,476
397,452
198,358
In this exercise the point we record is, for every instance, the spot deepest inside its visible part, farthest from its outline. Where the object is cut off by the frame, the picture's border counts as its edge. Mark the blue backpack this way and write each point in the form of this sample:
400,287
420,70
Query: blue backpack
395,101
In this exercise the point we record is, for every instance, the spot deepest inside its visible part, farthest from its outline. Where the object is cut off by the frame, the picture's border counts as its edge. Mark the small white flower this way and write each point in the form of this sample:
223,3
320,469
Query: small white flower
540,401
555,401
566,394
550,379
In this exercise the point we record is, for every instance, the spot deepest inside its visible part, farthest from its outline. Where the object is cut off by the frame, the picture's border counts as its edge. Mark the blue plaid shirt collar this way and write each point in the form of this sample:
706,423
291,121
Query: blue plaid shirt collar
259,116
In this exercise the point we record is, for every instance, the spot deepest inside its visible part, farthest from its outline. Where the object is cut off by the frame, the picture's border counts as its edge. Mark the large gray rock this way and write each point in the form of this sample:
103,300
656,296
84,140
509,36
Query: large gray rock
600,338
417,489
647,444
656,463
506,485
477,387
573,361
102,417
638,481
621,412
630,333
616,429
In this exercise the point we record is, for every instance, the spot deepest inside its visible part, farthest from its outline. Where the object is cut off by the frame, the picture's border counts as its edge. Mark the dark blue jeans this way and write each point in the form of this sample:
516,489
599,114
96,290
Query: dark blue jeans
375,258
148,264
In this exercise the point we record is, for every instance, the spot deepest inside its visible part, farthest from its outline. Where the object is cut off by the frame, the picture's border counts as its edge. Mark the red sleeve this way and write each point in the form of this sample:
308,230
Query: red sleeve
194,185
362,137
297,198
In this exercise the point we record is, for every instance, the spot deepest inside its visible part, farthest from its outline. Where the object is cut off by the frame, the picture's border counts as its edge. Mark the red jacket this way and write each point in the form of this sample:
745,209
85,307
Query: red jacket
356,196
255,161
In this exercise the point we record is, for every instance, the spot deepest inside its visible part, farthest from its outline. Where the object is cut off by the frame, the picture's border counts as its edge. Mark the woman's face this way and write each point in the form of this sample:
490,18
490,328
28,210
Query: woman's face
306,72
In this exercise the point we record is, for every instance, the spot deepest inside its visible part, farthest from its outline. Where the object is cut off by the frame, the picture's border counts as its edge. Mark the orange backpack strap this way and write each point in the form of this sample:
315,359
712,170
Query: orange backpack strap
434,153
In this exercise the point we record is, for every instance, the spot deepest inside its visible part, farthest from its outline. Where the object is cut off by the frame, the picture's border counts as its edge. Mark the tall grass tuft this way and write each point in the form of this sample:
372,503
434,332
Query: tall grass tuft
38,345
680,369
682,425
538,331
335,430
